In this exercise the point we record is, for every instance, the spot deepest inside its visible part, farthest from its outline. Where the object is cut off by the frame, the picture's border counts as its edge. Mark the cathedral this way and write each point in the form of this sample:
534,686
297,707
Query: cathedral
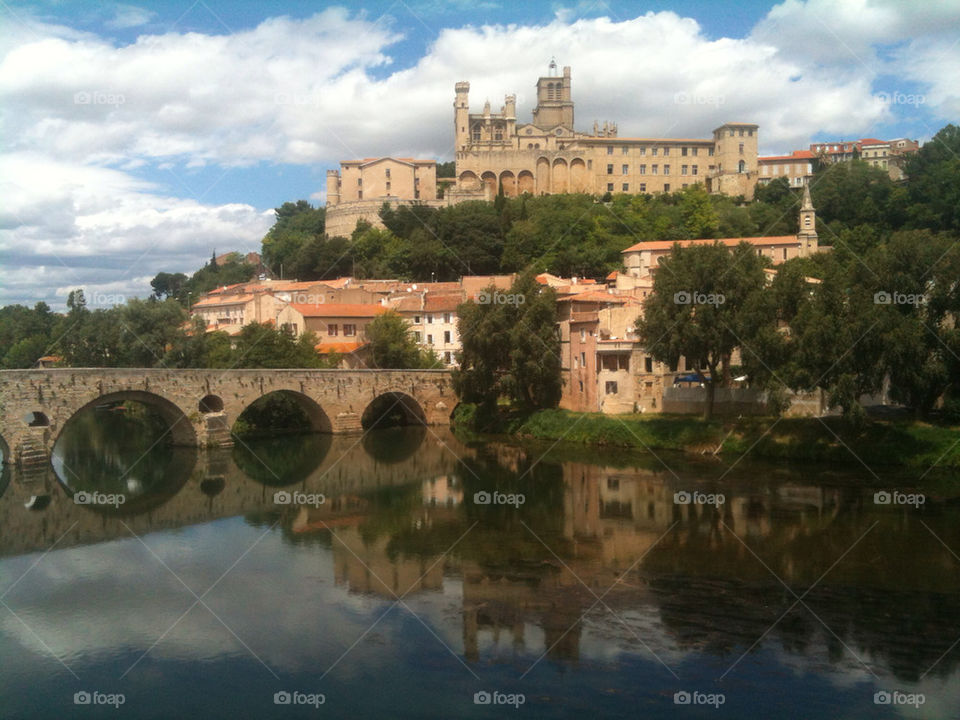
548,155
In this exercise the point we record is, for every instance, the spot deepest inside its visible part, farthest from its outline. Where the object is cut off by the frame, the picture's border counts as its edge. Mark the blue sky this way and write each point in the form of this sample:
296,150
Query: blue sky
138,137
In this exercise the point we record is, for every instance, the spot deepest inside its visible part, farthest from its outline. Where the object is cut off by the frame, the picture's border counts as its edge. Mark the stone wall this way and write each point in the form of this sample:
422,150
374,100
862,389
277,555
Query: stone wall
335,400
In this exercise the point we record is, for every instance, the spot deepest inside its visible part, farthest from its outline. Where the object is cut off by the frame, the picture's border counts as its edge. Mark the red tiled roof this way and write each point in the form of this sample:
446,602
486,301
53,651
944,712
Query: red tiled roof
226,300
442,302
338,309
729,242
594,296
338,347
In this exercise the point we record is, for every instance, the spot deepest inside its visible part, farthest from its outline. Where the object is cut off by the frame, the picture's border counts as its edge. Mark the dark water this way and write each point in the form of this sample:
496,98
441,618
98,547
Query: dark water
201,594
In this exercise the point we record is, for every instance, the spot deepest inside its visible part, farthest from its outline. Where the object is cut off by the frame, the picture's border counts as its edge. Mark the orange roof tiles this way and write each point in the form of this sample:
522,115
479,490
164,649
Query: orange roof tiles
339,347
338,309
442,303
729,242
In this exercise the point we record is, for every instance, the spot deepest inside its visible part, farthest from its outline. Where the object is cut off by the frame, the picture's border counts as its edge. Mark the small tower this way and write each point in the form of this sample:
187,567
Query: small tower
554,100
461,115
807,236
333,187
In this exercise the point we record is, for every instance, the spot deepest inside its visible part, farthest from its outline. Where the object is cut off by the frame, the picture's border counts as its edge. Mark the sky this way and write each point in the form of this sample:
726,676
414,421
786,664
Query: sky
140,138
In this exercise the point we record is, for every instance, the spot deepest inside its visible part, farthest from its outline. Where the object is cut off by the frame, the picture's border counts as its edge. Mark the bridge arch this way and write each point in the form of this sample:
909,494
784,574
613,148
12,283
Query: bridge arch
316,415
392,408
180,427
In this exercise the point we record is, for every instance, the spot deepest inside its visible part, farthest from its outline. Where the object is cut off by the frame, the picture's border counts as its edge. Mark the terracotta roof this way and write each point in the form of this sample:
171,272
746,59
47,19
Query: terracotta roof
226,300
796,155
338,309
613,275
406,303
442,303
729,242
338,347
594,296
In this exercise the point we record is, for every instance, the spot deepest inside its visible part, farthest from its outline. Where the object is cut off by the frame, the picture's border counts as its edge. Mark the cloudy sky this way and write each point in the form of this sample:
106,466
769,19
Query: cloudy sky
140,138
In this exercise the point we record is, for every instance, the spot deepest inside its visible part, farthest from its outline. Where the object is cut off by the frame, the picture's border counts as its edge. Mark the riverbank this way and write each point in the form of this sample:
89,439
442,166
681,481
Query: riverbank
894,443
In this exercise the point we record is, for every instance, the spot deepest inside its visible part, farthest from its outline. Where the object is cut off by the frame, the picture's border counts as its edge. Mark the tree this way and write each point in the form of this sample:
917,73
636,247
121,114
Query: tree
510,348
297,225
261,346
393,346
166,285
933,186
705,298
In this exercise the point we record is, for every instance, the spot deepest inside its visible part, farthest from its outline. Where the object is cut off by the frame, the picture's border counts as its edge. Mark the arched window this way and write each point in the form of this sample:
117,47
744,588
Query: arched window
742,167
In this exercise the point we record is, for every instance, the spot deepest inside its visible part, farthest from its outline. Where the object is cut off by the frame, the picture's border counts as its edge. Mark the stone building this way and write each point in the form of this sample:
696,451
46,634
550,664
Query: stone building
359,189
548,155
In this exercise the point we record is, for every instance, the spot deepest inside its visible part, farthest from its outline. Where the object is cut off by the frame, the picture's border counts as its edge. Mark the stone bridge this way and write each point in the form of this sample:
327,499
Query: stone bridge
200,406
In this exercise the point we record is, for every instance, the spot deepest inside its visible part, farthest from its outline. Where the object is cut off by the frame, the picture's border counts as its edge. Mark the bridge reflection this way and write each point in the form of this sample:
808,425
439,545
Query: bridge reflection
681,577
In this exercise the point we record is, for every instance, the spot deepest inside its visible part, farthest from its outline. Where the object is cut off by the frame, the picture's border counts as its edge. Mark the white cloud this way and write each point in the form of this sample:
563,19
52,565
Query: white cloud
320,89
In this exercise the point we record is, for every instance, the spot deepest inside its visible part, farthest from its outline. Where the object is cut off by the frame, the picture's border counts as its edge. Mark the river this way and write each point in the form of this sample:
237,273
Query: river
408,574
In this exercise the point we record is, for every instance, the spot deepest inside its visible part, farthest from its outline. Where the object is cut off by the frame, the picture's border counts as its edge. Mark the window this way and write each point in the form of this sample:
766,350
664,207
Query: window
648,364
666,187
349,330
589,163
429,339
430,319
643,169
498,135
741,148
609,169
683,169
360,181
583,335
693,170
693,151
416,319
446,317
653,151
611,387
332,329
684,185
581,386
643,150
583,359
446,337
626,187
709,152
609,149
643,187
609,187
666,151
388,187
624,169
476,134
387,173
447,358
360,194
666,169
683,152
730,133
741,132
416,335
654,169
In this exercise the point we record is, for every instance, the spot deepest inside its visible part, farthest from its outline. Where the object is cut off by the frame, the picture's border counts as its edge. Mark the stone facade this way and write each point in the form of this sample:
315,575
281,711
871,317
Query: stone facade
549,155
201,405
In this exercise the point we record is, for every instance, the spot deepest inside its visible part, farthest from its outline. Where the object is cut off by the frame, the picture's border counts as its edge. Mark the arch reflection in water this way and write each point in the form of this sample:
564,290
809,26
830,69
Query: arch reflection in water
121,457
280,461
394,444
391,409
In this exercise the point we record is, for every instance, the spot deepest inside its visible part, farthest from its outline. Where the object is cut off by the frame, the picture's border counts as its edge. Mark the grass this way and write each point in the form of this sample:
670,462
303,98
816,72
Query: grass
899,443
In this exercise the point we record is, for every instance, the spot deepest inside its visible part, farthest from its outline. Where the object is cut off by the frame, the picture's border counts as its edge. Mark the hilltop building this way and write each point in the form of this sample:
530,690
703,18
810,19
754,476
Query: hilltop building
548,155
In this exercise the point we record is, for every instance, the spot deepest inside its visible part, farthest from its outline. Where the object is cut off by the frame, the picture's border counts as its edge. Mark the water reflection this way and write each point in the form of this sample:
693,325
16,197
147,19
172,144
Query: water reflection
597,569
283,460
120,452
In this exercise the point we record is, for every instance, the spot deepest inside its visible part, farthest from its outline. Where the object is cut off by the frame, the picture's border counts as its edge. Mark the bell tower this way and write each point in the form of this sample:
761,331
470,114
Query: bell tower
461,116
554,100
807,236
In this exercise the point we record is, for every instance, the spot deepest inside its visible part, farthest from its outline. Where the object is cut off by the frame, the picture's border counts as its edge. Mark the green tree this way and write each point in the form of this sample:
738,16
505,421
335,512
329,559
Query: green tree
933,186
261,346
704,300
166,285
393,346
